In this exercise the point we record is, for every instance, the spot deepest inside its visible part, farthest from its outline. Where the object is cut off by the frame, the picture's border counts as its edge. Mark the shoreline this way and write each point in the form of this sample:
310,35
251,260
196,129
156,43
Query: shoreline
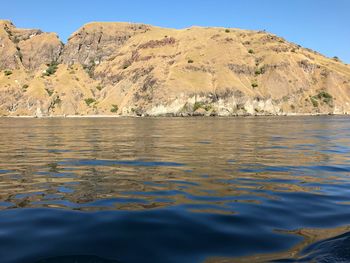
172,116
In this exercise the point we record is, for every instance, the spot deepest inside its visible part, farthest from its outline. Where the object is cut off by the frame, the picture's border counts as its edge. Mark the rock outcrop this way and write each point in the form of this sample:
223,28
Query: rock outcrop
97,42
139,70
28,48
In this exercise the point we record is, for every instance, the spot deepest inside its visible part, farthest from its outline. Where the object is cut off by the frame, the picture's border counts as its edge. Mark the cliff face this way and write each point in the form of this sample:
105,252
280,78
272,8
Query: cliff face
28,48
135,69
97,42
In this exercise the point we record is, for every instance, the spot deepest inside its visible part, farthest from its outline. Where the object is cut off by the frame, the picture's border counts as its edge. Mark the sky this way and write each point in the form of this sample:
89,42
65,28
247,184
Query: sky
322,25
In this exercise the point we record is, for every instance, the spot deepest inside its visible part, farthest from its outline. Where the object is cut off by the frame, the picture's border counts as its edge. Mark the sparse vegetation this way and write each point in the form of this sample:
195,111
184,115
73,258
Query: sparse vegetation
261,68
285,98
16,40
8,72
89,101
50,92
99,87
325,96
114,108
20,55
57,100
254,85
197,105
25,87
158,43
336,58
322,96
314,102
90,68
260,71
126,64
201,105
52,68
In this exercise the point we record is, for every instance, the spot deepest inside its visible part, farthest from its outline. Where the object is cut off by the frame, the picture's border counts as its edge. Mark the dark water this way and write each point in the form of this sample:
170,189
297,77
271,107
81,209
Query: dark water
175,190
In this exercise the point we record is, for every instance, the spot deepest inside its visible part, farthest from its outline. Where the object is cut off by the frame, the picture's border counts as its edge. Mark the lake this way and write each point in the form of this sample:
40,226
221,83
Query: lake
175,189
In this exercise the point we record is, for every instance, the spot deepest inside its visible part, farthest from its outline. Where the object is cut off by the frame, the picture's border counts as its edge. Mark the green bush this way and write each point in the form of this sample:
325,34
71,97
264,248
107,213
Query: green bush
99,87
89,101
251,51
260,71
314,102
190,61
8,72
197,105
52,68
227,30
254,85
322,96
25,87
201,105
325,96
114,108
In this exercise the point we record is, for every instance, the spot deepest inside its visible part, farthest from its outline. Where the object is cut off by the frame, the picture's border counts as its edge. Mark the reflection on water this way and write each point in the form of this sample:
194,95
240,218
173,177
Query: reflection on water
172,190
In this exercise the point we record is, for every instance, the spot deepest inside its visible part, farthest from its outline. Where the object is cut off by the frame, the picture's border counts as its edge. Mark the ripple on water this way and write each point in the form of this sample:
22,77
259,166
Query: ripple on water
114,162
174,190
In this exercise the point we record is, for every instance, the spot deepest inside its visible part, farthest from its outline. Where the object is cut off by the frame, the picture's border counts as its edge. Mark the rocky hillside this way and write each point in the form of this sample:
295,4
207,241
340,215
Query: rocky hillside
140,70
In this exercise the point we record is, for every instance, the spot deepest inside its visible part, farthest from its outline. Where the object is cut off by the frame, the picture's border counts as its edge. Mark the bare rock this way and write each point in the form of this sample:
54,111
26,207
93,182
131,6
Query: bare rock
96,42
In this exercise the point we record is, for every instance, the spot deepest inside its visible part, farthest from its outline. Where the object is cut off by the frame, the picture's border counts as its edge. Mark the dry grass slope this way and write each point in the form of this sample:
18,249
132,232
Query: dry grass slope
135,69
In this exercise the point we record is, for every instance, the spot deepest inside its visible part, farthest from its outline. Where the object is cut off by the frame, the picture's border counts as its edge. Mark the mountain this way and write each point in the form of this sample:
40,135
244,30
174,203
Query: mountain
141,70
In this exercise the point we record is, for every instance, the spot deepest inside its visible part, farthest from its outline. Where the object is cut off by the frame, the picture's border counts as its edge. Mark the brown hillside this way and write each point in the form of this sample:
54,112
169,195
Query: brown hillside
135,69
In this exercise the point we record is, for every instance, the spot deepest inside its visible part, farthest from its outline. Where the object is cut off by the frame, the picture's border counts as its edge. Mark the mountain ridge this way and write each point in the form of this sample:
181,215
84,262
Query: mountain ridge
126,69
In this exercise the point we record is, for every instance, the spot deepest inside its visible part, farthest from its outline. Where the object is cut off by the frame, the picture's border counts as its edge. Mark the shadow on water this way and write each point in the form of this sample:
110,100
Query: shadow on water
335,249
76,259
174,190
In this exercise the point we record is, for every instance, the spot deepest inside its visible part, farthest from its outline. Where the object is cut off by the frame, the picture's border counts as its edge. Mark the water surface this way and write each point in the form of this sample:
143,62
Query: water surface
175,190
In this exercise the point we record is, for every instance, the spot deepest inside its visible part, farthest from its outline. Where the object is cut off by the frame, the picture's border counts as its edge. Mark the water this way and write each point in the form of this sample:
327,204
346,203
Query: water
175,190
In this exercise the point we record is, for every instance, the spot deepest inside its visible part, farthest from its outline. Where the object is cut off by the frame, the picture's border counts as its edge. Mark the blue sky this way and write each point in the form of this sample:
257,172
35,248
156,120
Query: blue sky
323,25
